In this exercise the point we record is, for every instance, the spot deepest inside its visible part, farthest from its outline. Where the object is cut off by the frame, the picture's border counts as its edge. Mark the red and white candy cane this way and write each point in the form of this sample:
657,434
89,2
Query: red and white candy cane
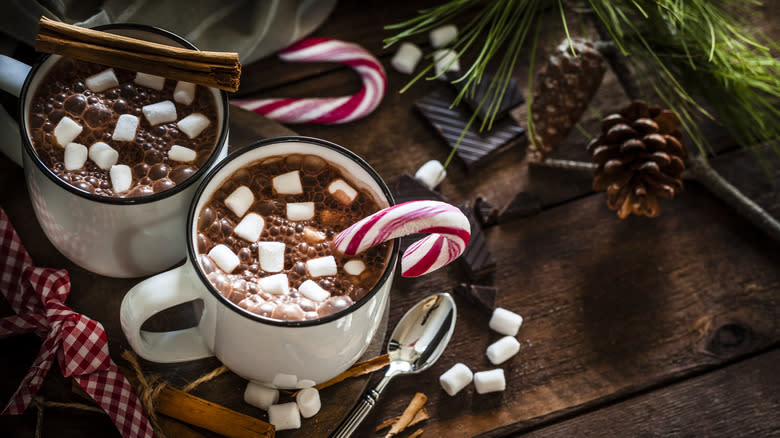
450,230
327,110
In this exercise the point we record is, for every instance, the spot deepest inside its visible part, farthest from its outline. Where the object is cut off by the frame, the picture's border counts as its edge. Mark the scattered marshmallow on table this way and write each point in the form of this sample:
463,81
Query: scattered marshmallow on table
441,36
322,266
446,60
501,350
456,378
184,93
102,81
505,321
406,58
288,183
121,177
308,401
313,291
271,256
342,191
160,112
103,155
285,416
75,156
180,153
489,381
240,200
66,131
149,81
226,259
126,126
193,124
260,396
354,267
431,173
276,284
285,381
300,211
250,228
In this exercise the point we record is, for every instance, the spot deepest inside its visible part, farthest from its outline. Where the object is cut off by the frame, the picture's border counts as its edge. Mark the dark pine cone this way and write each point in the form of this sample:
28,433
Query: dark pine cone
640,158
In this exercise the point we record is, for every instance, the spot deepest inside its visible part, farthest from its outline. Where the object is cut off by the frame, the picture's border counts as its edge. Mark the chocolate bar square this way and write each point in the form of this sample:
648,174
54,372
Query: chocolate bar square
483,297
511,98
476,259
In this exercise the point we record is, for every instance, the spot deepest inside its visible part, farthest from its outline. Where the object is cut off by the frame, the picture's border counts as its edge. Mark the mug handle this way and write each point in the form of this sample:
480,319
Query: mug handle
12,76
152,296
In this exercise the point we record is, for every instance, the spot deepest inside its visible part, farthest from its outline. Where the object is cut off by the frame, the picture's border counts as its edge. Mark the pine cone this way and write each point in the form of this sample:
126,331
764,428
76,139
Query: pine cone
564,89
640,158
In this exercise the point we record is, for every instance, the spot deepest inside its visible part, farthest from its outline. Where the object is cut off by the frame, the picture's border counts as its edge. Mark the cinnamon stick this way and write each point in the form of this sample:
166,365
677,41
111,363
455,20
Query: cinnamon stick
416,433
419,417
212,69
359,369
417,403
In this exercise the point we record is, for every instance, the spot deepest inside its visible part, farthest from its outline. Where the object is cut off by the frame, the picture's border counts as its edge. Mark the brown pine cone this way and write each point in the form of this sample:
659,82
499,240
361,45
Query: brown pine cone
563,90
640,158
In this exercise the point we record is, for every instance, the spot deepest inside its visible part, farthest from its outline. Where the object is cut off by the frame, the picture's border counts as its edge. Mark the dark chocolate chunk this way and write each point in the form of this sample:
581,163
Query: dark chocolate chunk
487,213
476,259
512,97
476,146
524,204
408,188
483,297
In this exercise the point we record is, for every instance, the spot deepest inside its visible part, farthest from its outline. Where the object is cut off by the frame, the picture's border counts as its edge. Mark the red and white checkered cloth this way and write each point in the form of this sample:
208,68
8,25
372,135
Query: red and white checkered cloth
37,295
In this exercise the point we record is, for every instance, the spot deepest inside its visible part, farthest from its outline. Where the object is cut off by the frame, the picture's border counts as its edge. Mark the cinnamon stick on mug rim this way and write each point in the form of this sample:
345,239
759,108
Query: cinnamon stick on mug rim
212,69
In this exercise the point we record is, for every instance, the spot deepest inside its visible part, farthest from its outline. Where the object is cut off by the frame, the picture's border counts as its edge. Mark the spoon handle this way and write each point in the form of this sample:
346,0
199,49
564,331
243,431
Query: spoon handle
360,412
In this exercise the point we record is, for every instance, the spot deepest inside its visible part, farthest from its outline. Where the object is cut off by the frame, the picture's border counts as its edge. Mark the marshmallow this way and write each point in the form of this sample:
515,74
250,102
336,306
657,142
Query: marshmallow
271,256
308,401
102,81
313,291
489,381
274,284
285,416
240,200
66,131
193,124
184,92
121,177
250,227
224,258
501,350
300,211
505,322
441,36
342,191
456,378
431,173
406,58
149,81
285,381
103,155
313,235
322,266
288,183
305,383
180,153
260,396
446,60
75,156
354,267
160,112
125,128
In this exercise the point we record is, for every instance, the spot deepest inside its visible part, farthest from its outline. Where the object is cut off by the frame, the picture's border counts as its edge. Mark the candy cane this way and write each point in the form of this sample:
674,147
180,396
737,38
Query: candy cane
329,109
449,227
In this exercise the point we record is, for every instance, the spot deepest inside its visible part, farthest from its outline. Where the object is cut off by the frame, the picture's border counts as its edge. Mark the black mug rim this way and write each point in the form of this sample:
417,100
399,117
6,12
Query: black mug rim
178,188
192,254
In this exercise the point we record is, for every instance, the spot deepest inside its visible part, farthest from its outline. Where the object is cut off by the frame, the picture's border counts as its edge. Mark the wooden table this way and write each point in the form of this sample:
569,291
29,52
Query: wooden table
639,327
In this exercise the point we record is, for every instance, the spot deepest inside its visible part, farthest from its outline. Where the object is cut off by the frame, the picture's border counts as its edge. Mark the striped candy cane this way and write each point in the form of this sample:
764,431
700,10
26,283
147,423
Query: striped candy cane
450,232
328,110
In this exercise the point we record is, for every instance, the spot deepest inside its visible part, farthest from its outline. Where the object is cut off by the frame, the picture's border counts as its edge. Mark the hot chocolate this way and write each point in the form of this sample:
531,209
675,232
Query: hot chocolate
264,239
119,133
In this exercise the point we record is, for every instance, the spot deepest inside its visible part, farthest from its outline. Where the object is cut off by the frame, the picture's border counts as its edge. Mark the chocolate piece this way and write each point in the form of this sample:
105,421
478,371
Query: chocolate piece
476,259
487,213
476,146
408,188
512,97
524,204
483,297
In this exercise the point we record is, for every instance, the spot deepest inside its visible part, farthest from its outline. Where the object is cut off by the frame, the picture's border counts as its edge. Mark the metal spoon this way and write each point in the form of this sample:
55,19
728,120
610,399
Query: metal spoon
416,343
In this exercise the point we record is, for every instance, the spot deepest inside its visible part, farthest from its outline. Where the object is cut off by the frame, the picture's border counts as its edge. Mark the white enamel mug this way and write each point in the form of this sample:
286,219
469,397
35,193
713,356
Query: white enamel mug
116,237
281,354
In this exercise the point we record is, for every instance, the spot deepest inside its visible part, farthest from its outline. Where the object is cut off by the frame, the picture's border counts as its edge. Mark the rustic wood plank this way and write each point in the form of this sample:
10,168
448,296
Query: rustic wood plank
739,400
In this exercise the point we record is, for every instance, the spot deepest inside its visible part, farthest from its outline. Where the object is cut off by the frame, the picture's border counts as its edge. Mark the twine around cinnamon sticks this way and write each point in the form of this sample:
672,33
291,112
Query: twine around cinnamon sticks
213,69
